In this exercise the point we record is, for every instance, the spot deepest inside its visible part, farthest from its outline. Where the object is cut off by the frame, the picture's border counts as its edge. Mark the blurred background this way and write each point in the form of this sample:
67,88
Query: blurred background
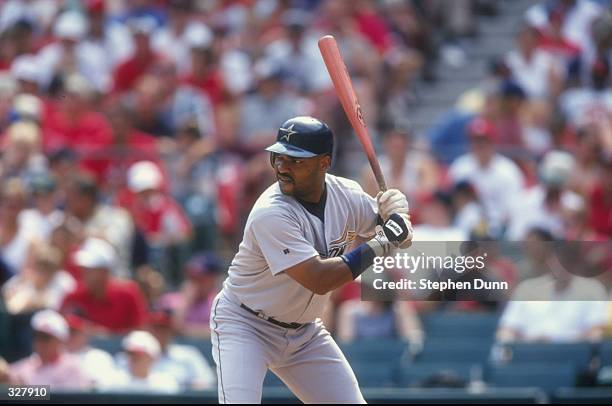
131,151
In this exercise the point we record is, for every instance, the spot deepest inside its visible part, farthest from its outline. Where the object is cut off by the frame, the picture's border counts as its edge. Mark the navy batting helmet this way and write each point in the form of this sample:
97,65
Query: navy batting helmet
303,137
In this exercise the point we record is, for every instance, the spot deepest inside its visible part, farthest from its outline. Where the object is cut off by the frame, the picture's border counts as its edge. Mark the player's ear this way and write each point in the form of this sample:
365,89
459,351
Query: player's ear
325,161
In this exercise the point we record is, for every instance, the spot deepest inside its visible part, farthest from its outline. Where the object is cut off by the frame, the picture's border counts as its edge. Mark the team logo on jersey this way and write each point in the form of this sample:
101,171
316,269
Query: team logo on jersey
288,132
338,246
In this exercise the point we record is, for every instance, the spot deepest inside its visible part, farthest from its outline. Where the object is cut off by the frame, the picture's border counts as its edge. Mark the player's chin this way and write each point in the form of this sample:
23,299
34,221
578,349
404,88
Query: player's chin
287,187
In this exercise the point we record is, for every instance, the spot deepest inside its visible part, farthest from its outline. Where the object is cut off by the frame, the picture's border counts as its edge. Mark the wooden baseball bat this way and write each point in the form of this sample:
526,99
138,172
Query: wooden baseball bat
346,93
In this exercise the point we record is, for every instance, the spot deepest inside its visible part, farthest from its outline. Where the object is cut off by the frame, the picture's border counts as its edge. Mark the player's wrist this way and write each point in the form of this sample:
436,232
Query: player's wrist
362,257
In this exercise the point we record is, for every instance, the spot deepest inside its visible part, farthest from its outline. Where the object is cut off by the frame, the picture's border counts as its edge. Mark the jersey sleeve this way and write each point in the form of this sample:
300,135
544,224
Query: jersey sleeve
281,241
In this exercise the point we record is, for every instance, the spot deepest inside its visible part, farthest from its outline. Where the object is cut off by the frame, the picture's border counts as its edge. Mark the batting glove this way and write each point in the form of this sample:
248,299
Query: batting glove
391,201
398,230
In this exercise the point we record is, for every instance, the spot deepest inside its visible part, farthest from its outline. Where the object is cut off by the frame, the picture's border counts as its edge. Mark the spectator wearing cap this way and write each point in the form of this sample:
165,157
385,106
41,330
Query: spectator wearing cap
498,180
26,71
98,219
106,36
143,350
184,362
541,205
50,364
204,73
155,212
127,73
192,305
510,133
110,304
70,55
43,285
98,364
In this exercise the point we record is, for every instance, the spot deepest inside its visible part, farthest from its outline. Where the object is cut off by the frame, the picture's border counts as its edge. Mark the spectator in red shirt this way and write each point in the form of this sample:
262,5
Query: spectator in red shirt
74,122
112,305
128,72
601,201
155,213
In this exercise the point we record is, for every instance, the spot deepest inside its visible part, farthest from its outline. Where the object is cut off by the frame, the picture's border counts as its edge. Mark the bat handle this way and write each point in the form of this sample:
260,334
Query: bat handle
380,179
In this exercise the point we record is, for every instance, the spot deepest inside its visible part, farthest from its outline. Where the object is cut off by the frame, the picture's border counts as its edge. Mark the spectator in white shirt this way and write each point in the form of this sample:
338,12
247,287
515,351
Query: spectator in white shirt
541,206
44,285
533,69
498,180
142,351
98,365
469,214
557,306
184,362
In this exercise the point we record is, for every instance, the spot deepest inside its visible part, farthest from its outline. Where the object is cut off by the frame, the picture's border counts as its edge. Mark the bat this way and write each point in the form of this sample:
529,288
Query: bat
346,93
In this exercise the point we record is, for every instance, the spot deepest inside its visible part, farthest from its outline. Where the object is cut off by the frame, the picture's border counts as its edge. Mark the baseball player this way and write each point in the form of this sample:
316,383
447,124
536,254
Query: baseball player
293,254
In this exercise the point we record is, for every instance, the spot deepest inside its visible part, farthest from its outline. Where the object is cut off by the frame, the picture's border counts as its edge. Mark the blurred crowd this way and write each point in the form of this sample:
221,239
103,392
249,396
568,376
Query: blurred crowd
131,139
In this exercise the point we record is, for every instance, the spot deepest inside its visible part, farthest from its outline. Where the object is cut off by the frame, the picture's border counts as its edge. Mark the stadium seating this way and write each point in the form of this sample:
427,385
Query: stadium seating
547,376
578,354
458,326
417,374
374,350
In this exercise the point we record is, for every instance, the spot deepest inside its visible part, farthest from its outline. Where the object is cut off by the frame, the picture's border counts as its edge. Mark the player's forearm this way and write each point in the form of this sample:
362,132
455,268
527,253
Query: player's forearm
329,275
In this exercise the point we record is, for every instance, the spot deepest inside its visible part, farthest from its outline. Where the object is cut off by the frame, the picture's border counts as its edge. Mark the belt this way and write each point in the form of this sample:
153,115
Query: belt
270,319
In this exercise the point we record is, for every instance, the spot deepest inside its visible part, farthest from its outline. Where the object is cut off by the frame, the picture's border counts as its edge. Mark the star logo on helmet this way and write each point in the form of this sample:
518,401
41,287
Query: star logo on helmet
288,133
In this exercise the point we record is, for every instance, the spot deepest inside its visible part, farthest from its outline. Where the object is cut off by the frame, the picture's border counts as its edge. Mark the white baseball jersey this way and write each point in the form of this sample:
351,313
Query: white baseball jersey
281,233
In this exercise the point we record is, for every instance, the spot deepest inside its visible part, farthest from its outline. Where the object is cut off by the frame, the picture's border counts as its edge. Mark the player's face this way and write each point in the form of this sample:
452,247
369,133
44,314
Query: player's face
300,177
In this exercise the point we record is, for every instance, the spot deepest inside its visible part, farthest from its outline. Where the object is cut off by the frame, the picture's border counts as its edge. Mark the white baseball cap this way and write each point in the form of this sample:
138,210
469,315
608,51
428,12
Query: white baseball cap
28,105
50,322
198,35
556,167
25,67
144,175
96,253
142,341
71,25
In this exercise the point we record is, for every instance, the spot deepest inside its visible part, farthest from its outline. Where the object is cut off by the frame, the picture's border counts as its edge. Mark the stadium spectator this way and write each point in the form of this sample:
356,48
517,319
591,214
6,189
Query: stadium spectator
155,213
72,121
497,180
405,167
192,305
110,304
533,69
44,211
184,362
101,220
533,313
142,350
436,220
97,364
469,214
16,236
129,71
50,364
601,200
21,152
41,286
541,205
359,320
